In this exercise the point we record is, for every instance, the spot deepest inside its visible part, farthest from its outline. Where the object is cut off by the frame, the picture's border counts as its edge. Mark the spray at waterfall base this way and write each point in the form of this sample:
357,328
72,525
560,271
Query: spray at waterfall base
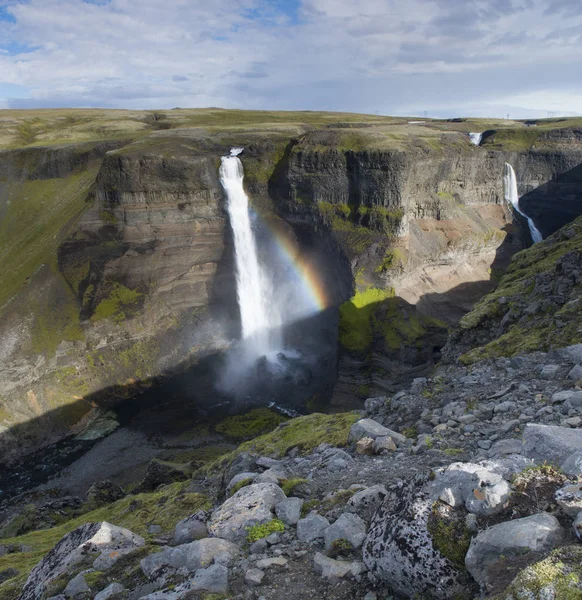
286,352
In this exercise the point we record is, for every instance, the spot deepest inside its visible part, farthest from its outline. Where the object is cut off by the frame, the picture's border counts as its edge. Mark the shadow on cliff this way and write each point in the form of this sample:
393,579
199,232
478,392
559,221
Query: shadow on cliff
555,203
171,403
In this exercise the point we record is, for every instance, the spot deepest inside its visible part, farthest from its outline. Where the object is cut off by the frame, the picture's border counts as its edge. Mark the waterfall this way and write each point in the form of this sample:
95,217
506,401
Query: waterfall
476,138
253,289
512,197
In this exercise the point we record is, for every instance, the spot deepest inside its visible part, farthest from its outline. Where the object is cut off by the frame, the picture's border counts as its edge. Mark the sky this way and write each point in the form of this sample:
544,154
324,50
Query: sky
443,58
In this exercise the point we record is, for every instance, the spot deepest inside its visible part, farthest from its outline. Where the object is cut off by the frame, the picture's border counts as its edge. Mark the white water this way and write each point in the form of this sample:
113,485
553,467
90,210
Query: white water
512,197
259,320
476,138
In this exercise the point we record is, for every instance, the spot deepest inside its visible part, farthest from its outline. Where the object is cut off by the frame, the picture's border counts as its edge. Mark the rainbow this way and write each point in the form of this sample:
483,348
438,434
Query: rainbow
305,272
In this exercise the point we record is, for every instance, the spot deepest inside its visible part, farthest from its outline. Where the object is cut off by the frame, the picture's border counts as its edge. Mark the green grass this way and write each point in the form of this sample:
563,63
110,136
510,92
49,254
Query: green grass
250,424
39,215
120,304
258,532
164,507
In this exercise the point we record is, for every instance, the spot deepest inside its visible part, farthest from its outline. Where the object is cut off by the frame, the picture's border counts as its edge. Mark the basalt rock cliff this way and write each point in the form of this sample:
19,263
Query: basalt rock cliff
118,260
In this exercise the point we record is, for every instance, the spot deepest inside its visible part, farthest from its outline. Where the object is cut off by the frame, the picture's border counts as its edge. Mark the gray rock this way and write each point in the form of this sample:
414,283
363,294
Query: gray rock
538,533
289,510
505,447
575,373
549,371
480,491
254,577
213,579
273,475
374,404
550,443
258,546
157,563
384,444
201,553
312,527
348,527
102,538
399,549
238,478
104,492
269,463
77,587
335,569
367,428
252,505
366,502
573,353
269,563
573,464
569,498
189,529
110,591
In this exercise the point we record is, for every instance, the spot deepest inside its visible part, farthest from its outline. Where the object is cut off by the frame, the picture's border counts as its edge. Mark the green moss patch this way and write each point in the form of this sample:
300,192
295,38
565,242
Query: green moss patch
450,535
305,433
251,424
120,304
258,532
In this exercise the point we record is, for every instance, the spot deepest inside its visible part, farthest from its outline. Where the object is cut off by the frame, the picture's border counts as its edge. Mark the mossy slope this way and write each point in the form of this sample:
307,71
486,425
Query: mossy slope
536,306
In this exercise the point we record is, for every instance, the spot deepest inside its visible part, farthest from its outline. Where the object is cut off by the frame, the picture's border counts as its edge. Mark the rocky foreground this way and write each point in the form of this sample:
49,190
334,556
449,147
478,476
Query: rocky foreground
464,485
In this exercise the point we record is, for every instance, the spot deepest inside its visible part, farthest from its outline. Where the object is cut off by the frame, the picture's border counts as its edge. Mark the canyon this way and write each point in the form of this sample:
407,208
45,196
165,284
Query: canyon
118,260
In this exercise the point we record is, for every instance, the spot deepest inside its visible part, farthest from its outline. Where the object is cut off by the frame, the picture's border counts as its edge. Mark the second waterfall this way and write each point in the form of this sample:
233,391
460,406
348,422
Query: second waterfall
259,319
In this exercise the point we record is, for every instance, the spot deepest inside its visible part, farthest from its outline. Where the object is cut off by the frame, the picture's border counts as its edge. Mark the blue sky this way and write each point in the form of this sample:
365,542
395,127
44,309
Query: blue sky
402,57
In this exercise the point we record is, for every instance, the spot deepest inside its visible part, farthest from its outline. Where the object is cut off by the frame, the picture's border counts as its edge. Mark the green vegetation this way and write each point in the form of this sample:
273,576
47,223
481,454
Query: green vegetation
375,315
393,261
120,304
512,139
240,485
341,547
164,507
450,535
289,485
250,424
305,433
258,532
39,215
516,290
559,576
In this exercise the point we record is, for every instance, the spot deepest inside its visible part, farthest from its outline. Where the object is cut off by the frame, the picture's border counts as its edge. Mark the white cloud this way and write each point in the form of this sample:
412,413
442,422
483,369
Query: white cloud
394,56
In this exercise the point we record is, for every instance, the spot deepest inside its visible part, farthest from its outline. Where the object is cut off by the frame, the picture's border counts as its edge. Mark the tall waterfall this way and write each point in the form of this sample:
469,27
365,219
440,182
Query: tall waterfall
476,138
512,197
253,289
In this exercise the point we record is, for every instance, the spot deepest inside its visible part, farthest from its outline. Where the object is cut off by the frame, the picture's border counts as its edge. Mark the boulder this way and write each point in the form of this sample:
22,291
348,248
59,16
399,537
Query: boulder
335,569
214,579
365,446
289,510
111,591
160,472
384,444
273,475
312,527
77,588
573,464
104,492
156,564
99,538
254,577
251,505
201,553
399,549
480,491
269,563
569,498
348,527
550,443
189,529
538,533
366,502
373,429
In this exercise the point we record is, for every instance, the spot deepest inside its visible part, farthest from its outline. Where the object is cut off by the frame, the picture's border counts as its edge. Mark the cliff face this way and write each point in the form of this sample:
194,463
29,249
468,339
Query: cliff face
136,276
